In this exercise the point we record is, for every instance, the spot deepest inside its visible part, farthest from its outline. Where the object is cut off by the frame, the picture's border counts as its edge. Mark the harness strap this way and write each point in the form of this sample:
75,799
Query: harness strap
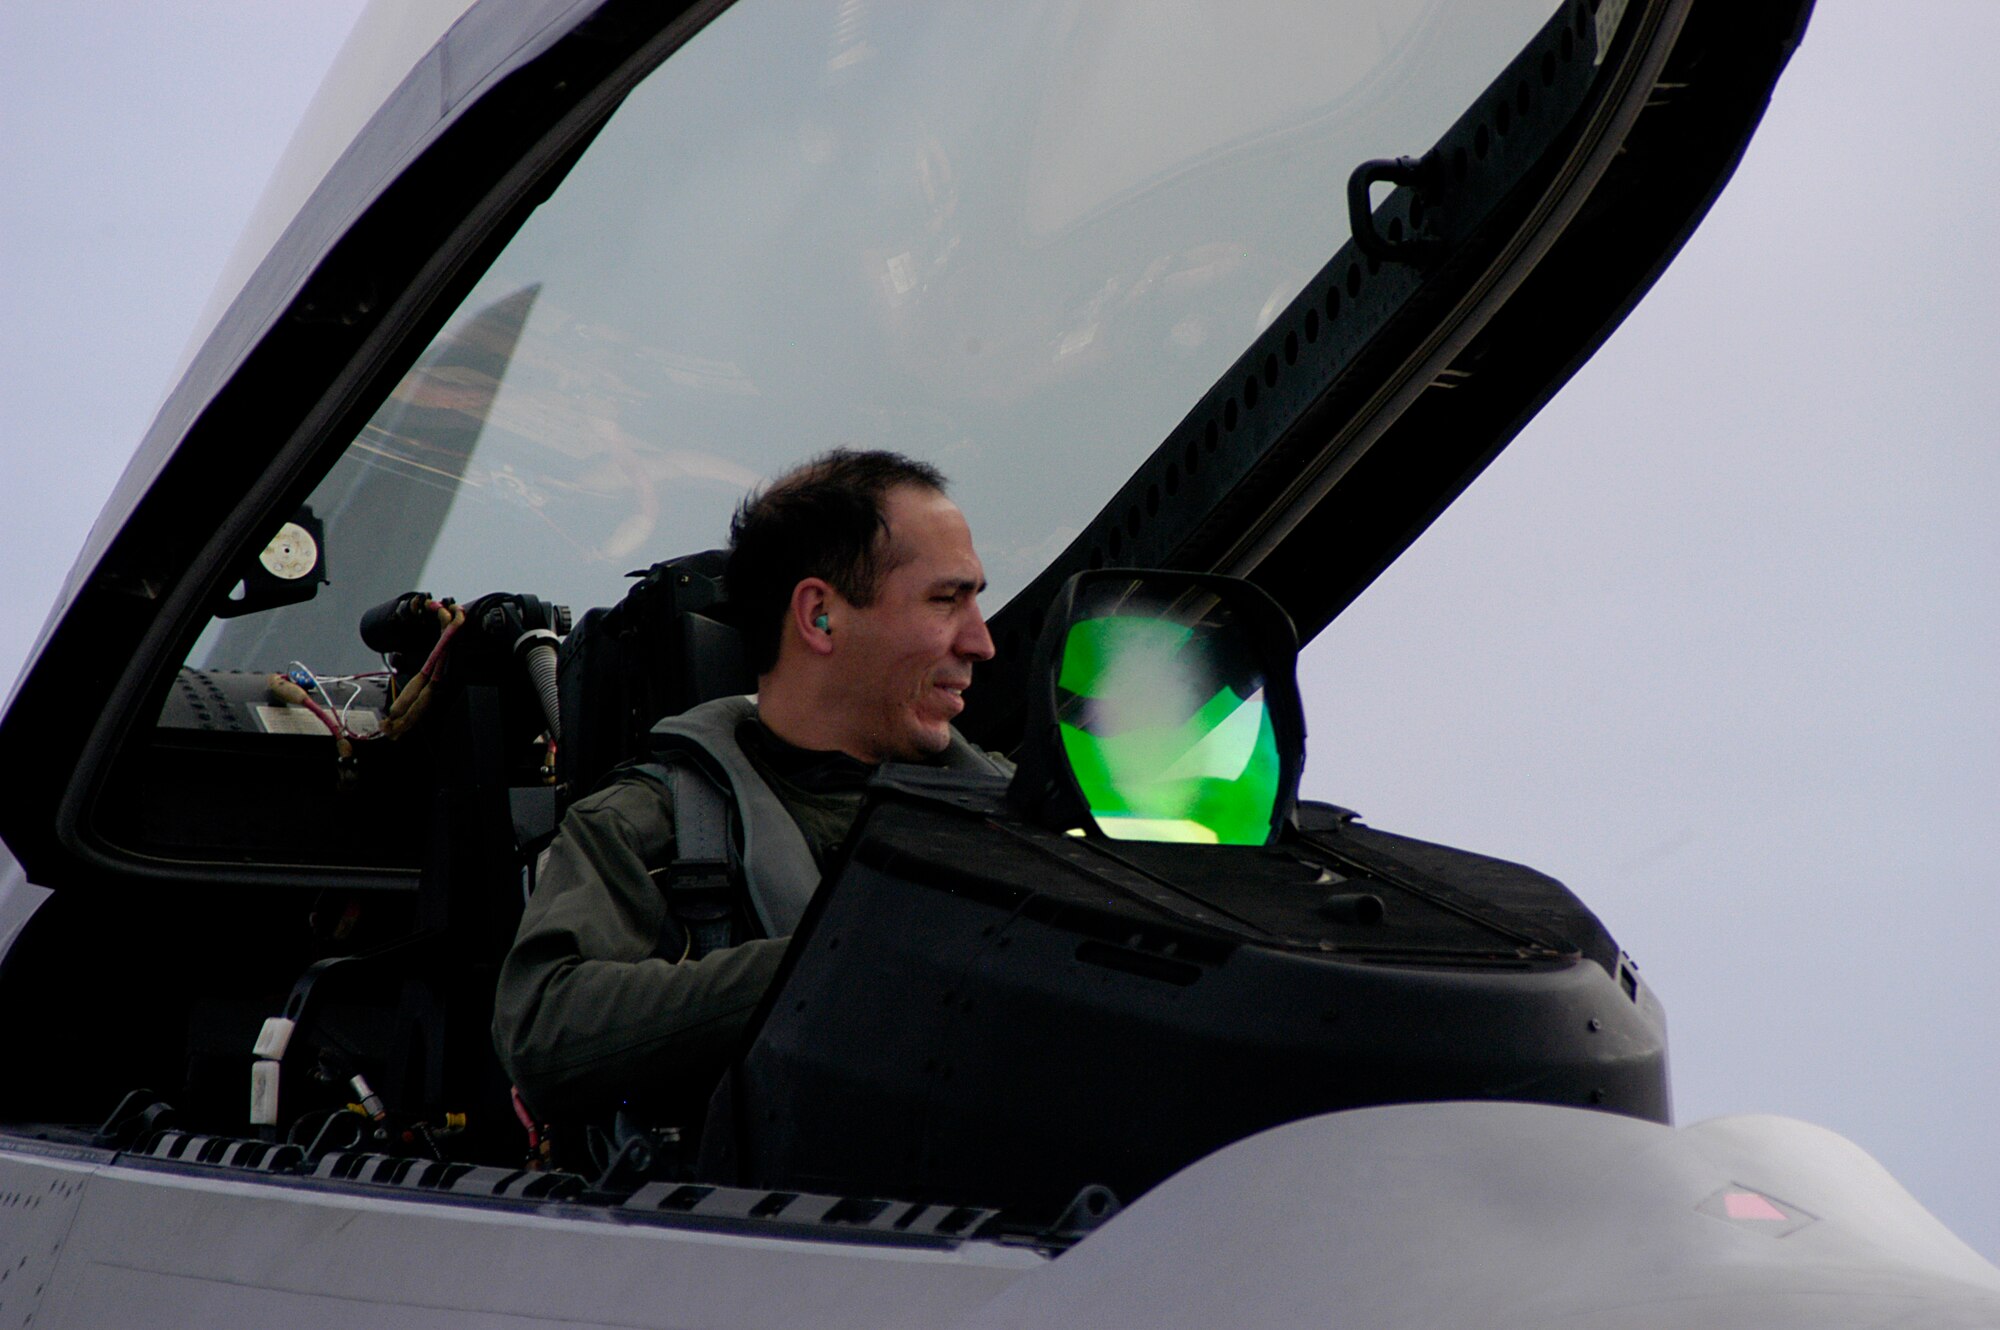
701,815
778,871
701,881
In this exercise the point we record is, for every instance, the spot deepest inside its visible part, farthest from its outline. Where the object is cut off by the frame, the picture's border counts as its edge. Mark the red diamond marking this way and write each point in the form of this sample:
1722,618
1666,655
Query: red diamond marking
1749,1205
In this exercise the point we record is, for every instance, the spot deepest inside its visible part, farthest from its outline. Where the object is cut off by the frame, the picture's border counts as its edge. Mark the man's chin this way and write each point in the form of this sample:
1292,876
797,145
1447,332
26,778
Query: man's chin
923,740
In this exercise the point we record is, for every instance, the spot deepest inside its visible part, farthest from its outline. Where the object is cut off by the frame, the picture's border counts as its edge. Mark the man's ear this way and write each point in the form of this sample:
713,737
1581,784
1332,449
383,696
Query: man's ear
812,614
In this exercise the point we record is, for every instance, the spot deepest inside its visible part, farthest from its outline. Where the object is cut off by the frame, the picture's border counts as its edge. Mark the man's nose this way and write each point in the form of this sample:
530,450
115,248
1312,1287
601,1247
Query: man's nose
974,642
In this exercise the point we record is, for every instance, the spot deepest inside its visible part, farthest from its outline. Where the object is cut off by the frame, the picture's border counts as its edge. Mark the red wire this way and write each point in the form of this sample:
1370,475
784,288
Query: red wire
527,1119
444,638
326,718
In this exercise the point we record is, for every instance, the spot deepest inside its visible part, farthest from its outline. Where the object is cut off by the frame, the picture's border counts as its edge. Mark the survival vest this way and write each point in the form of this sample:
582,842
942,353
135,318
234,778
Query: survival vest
707,772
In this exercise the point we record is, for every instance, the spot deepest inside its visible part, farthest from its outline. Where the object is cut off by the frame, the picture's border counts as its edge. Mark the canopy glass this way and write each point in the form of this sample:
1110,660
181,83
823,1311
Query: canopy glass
1018,241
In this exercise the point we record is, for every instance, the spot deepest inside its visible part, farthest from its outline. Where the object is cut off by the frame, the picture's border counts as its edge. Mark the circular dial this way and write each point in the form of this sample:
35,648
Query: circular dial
292,553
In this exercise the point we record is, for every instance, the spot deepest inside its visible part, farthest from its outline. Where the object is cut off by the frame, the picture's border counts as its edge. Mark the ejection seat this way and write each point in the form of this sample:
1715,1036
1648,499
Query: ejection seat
662,649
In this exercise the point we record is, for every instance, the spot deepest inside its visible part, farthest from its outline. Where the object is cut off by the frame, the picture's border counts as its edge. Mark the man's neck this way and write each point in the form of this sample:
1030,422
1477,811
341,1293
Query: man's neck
813,769
778,735
795,717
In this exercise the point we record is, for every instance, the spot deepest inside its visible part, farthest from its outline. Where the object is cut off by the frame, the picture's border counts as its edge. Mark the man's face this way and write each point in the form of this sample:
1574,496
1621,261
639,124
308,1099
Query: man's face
906,658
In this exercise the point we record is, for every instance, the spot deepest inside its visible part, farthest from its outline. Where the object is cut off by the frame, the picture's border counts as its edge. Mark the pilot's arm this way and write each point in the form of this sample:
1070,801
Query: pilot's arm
586,1013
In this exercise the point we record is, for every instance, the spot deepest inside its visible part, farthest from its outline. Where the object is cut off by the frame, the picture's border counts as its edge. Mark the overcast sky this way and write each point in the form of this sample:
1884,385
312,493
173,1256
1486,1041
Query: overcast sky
1712,641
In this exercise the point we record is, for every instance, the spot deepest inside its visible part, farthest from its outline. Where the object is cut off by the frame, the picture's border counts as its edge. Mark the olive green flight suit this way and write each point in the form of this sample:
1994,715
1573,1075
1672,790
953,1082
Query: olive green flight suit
587,1013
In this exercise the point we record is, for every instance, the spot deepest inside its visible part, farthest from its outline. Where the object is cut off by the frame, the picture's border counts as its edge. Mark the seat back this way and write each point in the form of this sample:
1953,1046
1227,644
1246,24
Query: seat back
667,646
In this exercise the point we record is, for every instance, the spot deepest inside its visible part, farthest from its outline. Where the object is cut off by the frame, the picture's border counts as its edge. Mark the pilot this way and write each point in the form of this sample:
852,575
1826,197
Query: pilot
856,588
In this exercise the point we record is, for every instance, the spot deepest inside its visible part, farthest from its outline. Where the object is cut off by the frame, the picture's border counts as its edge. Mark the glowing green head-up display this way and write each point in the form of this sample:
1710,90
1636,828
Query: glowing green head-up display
1165,719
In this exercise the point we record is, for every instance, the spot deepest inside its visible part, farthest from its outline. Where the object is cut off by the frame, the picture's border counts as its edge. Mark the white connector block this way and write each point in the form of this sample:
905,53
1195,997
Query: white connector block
264,1093
273,1039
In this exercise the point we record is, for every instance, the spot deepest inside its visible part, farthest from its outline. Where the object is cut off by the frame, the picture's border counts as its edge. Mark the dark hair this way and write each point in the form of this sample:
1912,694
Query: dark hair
823,518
